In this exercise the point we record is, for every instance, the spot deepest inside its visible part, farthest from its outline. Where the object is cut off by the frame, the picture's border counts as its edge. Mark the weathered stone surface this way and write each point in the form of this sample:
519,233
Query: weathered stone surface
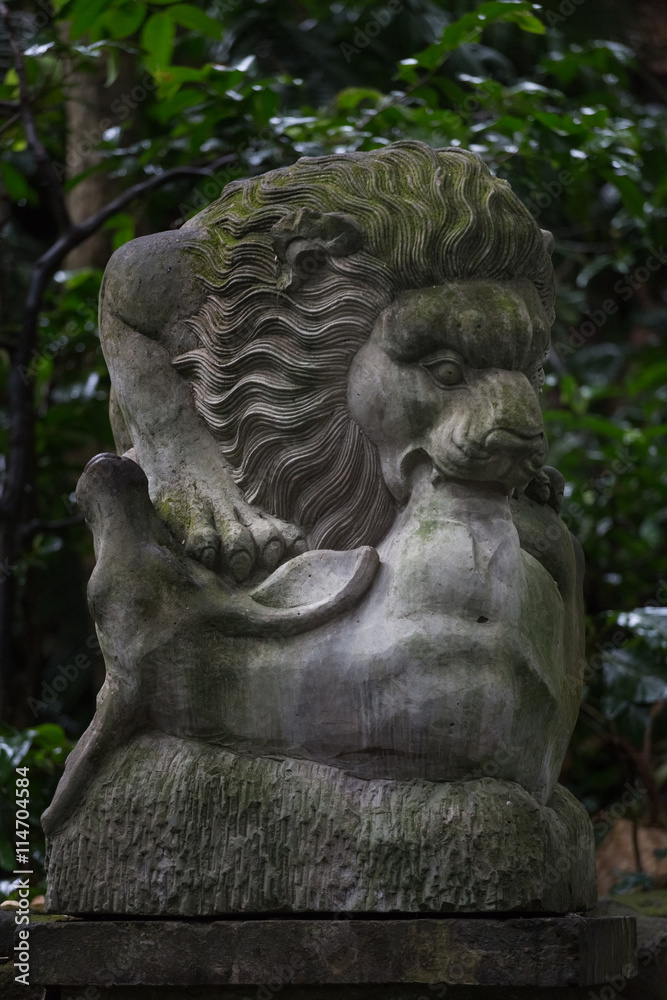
362,336
384,992
546,952
7,928
11,990
292,835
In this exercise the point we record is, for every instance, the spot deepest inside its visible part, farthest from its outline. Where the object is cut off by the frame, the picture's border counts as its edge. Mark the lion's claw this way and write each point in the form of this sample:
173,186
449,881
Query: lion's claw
547,487
202,541
224,532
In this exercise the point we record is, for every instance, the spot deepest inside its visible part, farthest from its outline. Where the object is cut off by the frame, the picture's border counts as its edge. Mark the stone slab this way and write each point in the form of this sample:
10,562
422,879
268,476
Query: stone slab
537,952
269,992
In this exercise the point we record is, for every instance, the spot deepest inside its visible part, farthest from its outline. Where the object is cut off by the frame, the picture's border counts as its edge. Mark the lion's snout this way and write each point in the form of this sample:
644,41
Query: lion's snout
522,442
491,454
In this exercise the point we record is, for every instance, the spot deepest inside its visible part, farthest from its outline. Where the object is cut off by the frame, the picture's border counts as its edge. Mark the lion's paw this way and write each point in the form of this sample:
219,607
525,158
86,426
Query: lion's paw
547,487
228,534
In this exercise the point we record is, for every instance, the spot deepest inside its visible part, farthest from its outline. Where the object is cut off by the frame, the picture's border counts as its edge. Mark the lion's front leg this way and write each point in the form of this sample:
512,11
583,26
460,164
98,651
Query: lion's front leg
144,308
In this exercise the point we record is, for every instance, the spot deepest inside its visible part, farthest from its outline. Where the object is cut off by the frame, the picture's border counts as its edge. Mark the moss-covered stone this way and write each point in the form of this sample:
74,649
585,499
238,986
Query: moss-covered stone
174,827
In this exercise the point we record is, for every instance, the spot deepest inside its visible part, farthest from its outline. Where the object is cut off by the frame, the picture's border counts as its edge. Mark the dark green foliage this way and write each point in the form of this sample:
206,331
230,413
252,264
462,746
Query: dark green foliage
557,104
42,751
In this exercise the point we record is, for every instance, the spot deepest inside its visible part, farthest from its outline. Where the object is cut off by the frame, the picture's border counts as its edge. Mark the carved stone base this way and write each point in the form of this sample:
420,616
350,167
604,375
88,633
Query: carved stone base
549,957
178,828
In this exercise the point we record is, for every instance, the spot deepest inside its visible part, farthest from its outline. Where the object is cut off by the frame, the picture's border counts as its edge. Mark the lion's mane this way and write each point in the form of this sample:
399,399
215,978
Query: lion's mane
270,376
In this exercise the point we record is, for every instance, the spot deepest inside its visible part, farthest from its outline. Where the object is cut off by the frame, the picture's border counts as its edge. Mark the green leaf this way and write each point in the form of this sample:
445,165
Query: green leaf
351,97
13,749
469,27
84,15
125,21
157,37
632,676
189,16
123,227
599,425
652,377
183,74
112,67
50,735
560,124
15,183
527,22
631,193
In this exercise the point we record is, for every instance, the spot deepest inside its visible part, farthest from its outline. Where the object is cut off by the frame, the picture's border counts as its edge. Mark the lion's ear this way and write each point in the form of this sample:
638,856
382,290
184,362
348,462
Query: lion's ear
304,240
548,240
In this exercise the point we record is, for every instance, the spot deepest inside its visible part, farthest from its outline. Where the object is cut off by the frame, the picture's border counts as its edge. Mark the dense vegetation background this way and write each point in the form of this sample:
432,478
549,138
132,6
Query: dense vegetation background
121,118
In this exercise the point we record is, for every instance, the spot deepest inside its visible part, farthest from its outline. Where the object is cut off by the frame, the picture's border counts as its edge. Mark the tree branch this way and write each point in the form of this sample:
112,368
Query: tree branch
36,527
78,232
42,158
19,384
10,121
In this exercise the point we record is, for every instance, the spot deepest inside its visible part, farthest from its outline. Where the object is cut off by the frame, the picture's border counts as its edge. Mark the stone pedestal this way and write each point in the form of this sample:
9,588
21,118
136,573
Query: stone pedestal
278,836
333,959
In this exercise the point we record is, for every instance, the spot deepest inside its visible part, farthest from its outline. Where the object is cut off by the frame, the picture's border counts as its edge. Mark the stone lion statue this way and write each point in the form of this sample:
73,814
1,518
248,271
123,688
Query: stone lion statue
338,607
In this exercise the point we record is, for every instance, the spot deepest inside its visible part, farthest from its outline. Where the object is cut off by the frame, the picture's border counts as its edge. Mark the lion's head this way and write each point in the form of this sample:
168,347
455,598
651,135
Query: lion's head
300,263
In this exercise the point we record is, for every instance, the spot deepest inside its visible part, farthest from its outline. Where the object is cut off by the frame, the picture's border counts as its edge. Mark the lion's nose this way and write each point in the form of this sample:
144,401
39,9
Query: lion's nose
506,439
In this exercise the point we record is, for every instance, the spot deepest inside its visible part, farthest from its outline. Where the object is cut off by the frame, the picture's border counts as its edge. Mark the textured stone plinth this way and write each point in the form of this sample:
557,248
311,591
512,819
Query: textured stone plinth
236,835
342,957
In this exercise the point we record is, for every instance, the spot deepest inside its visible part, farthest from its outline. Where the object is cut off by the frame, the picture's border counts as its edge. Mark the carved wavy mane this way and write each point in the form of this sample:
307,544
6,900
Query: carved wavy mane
270,376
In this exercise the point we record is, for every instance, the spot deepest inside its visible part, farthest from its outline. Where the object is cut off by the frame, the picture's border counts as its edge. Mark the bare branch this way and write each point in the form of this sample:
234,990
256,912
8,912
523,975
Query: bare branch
36,527
10,121
42,158
19,387
81,231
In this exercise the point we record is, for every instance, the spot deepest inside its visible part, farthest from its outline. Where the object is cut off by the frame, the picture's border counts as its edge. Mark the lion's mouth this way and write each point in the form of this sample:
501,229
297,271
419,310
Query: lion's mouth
522,445
503,439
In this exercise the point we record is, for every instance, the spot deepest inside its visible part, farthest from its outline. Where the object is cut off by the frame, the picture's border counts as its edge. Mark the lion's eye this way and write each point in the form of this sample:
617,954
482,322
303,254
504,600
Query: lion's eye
445,371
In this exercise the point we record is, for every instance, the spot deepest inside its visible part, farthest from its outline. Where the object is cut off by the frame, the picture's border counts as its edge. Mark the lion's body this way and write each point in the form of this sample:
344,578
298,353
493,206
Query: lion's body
460,662
339,355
